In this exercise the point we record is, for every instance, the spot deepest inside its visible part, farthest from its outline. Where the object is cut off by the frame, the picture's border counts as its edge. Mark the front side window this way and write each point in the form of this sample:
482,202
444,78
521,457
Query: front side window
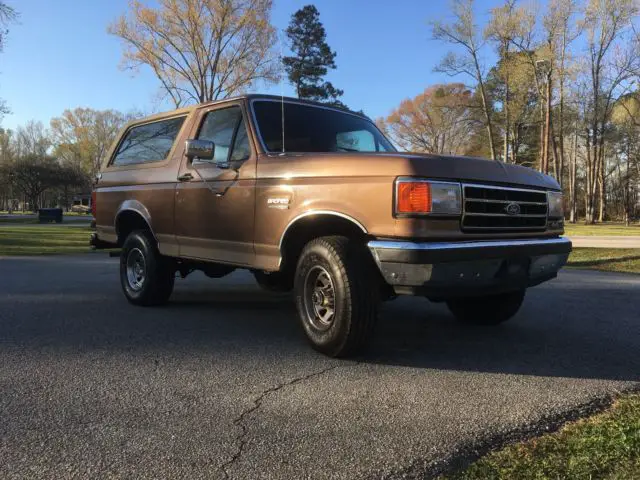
151,142
241,149
316,129
226,129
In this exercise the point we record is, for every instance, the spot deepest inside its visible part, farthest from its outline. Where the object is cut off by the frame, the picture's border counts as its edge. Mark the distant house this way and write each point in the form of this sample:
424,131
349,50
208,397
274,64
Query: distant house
81,203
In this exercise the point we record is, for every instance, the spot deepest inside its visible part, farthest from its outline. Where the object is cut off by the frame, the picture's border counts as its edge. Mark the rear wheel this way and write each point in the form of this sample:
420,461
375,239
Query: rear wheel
337,295
487,310
146,276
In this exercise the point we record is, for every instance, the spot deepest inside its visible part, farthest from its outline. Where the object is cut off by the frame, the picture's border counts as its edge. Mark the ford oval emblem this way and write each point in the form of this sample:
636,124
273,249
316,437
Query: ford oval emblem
512,209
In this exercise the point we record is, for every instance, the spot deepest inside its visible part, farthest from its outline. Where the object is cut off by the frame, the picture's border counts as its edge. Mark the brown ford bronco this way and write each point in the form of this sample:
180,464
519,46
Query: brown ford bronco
316,200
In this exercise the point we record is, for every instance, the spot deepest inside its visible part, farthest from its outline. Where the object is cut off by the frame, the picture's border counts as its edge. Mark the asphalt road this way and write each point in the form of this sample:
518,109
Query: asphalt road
220,384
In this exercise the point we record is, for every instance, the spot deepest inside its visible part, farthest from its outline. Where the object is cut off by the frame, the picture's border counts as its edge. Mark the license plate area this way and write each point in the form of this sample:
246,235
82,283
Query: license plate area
515,268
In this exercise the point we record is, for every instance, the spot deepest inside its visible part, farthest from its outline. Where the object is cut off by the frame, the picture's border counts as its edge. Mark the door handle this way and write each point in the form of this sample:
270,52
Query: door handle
186,177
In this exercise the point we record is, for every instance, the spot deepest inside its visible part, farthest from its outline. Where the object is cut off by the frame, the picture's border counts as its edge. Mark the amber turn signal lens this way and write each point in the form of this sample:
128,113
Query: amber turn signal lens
414,197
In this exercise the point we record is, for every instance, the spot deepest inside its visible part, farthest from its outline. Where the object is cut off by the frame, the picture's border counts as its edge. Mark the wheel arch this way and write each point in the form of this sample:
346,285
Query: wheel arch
132,215
314,224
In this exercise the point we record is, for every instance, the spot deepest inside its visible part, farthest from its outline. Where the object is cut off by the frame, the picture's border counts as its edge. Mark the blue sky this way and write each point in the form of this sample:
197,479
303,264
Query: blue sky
60,56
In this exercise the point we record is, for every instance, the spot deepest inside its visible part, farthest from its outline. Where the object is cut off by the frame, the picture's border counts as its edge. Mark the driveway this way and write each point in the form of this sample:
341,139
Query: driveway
220,383
606,241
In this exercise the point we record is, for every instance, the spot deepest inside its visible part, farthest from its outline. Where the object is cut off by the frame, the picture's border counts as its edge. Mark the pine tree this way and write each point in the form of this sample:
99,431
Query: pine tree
312,57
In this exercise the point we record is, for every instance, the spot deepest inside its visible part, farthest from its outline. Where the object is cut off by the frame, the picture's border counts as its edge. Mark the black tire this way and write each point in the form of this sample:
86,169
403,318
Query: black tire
277,282
354,283
487,310
157,275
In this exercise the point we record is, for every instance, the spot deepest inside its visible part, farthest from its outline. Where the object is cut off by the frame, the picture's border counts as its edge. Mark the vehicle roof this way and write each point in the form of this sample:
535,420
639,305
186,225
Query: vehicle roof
248,97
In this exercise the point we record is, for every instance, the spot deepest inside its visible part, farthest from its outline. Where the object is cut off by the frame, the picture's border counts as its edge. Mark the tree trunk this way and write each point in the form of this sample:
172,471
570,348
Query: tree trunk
561,157
572,178
547,129
554,146
602,186
485,107
507,127
589,193
541,139
601,198
627,192
561,75
515,138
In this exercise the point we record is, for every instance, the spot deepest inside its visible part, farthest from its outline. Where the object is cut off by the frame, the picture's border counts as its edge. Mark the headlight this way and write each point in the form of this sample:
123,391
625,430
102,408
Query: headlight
427,197
556,208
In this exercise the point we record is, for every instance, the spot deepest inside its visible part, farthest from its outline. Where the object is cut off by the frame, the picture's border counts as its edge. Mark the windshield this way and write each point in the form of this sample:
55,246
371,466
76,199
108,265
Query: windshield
315,129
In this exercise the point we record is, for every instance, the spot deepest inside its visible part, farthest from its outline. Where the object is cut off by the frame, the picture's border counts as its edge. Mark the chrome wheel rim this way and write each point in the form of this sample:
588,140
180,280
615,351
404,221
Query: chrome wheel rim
136,269
319,298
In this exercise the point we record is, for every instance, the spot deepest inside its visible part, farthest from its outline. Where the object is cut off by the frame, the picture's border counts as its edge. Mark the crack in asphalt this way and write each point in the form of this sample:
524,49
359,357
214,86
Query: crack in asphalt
257,403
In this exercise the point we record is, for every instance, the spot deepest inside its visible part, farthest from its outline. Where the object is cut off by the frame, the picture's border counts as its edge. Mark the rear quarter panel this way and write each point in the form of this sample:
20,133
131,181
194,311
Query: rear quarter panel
148,188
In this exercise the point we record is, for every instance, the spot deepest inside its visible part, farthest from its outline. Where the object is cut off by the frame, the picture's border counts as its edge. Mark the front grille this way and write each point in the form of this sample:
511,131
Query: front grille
499,209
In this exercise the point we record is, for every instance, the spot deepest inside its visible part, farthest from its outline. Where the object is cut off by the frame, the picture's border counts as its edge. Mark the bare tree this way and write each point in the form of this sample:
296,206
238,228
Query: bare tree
612,62
464,34
539,57
31,176
436,121
561,30
7,16
32,139
7,157
83,136
200,50
505,25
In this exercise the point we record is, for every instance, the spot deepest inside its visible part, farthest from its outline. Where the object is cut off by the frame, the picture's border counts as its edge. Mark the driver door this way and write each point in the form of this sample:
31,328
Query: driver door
215,199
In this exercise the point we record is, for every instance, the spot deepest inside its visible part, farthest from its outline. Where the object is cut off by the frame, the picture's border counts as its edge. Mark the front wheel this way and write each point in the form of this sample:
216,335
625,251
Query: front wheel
487,310
337,295
146,276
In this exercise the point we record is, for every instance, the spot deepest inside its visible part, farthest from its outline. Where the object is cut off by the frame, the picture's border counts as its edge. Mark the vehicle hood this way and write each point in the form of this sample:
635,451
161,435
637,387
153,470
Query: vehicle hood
474,169
445,167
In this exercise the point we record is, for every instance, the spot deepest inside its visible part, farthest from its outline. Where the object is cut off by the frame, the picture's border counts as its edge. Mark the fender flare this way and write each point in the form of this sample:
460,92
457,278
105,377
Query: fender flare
136,207
319,212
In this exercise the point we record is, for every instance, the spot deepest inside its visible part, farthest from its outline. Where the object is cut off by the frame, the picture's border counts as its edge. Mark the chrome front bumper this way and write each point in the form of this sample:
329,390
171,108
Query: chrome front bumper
468,267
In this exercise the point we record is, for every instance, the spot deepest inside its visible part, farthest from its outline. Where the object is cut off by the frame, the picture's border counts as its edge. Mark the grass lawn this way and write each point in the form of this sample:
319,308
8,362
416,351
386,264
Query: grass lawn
20,220
604,229
606,259
604,446
43,239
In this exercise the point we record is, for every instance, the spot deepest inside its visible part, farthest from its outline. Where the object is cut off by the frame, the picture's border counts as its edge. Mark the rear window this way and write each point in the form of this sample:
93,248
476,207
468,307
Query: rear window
148,143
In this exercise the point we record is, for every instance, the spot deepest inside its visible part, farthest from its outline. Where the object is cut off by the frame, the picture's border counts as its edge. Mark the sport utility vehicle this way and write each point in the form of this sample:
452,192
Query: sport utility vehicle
316,200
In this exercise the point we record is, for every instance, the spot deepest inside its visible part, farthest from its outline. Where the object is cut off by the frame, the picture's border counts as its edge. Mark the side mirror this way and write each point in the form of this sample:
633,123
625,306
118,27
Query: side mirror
201,149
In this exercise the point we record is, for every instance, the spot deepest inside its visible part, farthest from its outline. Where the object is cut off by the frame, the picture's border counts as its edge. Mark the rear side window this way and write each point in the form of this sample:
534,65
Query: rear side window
148,143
